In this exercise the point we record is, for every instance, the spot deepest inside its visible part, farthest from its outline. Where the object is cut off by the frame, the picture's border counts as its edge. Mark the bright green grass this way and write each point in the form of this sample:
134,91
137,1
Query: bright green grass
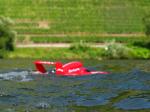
25,24
90,39
94,16
50,53
30,30
75,53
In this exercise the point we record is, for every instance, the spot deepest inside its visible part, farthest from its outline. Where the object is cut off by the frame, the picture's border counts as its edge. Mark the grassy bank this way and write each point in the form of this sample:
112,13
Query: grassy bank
55,53
82,52
91,39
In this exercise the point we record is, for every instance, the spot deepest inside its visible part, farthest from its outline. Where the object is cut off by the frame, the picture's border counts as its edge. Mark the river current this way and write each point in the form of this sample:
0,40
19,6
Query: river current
126,88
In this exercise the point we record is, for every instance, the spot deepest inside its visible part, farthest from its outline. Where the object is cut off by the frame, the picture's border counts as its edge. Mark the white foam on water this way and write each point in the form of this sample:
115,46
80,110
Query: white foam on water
21,76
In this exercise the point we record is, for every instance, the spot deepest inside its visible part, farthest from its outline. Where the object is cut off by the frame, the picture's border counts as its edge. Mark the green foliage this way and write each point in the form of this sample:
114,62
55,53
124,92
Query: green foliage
81,46
6,36
2,53
117,51
65,53
143,44
120,51
140,53
77,39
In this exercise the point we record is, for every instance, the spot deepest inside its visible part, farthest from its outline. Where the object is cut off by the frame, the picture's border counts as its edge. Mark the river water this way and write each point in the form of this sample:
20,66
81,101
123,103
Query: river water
126,88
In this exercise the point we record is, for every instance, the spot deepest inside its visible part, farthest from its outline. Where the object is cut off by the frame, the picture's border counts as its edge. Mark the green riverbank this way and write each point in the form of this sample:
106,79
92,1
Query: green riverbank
55,53
110,52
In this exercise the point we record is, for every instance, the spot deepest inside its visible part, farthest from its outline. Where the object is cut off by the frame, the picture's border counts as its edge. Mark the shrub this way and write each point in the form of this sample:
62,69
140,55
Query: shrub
117,50
143,44
7,36
140,53
80,46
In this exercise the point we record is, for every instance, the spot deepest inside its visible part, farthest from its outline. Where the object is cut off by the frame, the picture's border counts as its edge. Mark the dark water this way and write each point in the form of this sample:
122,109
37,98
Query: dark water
126,88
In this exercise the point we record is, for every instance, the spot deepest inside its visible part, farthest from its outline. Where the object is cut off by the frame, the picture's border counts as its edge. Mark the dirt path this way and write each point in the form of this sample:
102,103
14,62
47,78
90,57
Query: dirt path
56,45
83,34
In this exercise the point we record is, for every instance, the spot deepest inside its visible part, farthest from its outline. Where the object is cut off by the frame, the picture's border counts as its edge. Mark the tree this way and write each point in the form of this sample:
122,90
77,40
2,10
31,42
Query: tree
7,36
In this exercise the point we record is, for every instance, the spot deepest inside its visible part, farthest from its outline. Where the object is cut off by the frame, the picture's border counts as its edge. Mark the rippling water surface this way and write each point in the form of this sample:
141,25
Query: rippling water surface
126,88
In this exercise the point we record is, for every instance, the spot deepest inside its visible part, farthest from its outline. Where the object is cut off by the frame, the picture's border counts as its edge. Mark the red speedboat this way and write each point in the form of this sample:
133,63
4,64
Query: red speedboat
70,69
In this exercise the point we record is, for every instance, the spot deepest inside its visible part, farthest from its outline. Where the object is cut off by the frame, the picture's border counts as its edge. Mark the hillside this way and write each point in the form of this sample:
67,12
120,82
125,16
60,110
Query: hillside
61,18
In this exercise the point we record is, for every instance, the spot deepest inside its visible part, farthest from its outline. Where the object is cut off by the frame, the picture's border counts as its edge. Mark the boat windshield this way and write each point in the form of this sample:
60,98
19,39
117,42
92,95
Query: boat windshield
88,70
